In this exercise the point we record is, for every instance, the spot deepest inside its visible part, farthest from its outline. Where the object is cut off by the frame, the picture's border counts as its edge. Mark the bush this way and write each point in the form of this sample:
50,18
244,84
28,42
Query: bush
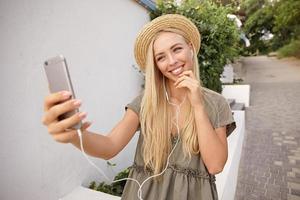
291,49
219,36
114,188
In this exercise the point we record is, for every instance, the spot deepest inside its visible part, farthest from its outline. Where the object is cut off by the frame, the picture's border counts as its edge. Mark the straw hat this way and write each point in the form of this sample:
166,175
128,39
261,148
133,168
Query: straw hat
167,21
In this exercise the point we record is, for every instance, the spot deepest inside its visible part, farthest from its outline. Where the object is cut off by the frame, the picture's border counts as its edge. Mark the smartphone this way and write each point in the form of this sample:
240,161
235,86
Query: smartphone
59,79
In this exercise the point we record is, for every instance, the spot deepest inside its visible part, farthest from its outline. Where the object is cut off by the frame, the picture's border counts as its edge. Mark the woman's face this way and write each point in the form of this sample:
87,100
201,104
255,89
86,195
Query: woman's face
172,54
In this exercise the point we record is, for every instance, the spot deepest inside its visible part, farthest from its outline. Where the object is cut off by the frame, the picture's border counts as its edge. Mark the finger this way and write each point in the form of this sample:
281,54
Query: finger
189,73
182,79
86,125
65,137
65,124
55,111
55,98
188,83
182,84
178,80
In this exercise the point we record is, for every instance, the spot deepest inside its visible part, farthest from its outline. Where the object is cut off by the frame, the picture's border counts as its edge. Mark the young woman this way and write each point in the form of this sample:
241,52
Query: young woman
183,126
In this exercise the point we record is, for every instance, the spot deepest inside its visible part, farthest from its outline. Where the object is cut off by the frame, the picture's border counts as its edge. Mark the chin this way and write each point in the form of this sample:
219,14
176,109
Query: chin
173,78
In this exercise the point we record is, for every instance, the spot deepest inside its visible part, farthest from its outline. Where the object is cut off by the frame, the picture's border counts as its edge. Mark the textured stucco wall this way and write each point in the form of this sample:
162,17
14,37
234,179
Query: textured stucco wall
97,39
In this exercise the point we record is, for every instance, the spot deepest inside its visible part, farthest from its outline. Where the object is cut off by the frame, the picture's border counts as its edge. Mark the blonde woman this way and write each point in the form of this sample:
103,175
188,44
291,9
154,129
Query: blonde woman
183,126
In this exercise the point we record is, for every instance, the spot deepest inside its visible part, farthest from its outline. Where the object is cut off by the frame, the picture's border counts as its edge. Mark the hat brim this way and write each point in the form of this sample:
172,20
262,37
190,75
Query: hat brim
149,31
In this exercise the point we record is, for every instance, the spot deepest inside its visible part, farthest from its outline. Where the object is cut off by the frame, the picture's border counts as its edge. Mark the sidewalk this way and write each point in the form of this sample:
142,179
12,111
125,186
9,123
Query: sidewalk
270,163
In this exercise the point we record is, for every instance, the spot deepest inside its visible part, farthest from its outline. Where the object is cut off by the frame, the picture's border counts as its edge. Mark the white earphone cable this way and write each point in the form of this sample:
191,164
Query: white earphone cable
139,194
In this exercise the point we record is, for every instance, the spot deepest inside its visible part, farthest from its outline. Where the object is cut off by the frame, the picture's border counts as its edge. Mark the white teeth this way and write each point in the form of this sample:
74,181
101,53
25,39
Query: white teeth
176,71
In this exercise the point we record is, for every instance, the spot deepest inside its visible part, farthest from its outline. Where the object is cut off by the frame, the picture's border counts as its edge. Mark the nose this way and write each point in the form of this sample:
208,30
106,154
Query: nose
171,59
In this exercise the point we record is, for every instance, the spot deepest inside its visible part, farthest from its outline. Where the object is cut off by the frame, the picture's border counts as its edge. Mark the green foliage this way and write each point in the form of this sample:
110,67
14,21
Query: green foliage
287,23
219,36
291,49
259,22
278,17
251,6
111,164
114,188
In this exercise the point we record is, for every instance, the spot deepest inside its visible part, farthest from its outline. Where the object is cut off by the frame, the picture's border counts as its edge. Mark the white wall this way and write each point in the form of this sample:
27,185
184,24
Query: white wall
227,180
97,39
241,93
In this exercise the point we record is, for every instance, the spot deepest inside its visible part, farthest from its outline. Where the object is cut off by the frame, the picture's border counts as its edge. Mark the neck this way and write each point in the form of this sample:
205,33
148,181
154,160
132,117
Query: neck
176,95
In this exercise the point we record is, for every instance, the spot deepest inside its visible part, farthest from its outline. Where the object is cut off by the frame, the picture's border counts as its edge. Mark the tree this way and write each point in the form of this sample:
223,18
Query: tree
279,17
287,23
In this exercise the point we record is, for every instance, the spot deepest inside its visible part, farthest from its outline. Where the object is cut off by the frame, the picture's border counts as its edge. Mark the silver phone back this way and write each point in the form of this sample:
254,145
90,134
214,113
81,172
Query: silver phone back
59,79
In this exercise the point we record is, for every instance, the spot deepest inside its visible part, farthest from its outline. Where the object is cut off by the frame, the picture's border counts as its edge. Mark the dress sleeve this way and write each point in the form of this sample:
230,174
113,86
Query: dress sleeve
225,117
135,104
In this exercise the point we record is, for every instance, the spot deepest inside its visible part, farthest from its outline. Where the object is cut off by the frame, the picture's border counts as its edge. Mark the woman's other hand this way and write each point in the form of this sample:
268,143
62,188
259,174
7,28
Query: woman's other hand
188,80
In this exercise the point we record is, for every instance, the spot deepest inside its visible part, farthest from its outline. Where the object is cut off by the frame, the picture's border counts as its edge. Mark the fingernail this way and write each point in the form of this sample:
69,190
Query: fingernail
82,115
77,102
66,94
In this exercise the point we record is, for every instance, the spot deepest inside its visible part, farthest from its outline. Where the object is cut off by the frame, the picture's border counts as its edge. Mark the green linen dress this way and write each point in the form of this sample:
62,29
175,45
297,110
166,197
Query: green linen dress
184,179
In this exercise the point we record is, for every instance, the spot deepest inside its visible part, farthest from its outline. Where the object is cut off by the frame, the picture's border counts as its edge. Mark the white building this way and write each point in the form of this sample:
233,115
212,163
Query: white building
97,39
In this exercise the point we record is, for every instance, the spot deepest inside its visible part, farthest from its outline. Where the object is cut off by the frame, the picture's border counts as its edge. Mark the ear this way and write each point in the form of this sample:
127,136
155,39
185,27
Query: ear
191,48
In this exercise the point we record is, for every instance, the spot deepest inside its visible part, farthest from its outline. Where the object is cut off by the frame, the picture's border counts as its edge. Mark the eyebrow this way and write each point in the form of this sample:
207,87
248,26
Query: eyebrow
170,48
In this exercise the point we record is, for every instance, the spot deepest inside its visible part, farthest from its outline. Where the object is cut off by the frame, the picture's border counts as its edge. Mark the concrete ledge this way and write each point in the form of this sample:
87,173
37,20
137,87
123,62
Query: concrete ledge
241,93
80,193
227,180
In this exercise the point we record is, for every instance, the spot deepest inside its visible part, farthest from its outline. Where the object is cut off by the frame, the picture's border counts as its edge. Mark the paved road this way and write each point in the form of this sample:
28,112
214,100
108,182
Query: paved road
270,163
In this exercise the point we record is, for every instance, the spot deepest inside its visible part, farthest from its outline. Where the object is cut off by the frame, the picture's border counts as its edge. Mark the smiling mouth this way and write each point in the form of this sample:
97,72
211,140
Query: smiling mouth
177,71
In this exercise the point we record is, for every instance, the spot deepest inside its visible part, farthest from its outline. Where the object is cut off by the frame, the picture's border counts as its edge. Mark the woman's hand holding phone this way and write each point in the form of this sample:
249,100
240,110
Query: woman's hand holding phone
57,104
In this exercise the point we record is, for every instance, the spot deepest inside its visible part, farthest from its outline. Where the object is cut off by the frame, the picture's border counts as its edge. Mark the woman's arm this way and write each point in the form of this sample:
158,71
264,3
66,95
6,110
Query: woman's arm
103,146
212,142
107,146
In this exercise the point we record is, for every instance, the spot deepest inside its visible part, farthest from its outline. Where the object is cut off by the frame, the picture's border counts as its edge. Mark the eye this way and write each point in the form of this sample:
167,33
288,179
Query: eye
177,49
160,58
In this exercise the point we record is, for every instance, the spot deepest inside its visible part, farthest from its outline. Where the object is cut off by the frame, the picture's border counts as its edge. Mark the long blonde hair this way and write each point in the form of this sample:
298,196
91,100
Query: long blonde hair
155,117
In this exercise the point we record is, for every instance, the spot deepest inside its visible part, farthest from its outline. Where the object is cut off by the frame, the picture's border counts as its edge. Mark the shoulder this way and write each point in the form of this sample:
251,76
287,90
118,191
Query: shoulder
212,97
135,104
138,98
218,110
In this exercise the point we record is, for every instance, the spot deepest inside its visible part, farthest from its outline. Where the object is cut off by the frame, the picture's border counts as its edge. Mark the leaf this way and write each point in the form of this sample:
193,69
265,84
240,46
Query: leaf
110,164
